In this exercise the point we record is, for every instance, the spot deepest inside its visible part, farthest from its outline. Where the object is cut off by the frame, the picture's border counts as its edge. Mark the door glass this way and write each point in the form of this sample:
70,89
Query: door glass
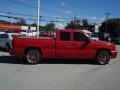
65,36
77,36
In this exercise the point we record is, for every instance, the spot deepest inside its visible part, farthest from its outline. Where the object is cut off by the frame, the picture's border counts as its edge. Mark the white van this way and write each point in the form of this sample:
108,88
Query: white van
28,33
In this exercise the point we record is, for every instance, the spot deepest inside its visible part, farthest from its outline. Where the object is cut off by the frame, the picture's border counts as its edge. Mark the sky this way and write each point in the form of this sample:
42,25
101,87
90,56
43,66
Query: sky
60,11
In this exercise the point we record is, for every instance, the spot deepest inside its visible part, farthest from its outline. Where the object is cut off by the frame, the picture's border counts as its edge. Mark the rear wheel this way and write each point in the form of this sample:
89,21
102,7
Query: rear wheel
103,57
33,56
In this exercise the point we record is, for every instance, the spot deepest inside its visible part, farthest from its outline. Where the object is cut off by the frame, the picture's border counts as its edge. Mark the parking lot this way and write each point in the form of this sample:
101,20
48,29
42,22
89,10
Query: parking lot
58,74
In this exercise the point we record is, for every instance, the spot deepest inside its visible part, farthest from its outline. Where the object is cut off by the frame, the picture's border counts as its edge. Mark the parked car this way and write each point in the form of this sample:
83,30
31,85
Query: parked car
68,44
6,40
94,36
115,40
2,32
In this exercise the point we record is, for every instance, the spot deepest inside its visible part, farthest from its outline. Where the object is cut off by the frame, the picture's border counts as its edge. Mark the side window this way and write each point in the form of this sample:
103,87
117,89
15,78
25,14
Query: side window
0,36
65,36
5,36
79,36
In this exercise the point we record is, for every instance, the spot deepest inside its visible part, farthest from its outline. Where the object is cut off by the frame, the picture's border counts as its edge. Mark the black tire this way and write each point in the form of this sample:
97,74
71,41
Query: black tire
7,47
33,56
103,57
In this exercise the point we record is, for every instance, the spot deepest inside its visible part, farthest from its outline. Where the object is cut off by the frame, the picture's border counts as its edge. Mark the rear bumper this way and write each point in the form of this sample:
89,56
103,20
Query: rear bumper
113,54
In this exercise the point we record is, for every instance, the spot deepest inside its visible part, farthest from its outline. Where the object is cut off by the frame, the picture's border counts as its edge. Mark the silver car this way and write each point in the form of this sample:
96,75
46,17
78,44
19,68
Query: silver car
6,40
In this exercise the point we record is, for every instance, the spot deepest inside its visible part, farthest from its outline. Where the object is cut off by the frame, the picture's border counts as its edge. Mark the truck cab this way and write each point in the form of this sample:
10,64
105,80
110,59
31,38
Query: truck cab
72,44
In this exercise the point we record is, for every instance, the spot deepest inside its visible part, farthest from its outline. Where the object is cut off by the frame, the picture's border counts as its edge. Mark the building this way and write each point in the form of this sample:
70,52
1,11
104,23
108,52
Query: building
10,27
13,28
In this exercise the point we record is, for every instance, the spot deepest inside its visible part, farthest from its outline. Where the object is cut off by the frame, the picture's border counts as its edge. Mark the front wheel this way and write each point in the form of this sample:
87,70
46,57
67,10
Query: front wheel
103,57
33,56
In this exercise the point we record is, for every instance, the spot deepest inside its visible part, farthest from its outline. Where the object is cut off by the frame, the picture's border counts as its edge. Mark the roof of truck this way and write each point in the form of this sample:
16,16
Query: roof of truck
69,30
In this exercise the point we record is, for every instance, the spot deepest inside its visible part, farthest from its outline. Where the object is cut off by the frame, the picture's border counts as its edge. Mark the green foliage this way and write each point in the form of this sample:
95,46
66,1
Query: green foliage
34,24
85,23
110,26
21,21
77,24
50,26
4,22
74,24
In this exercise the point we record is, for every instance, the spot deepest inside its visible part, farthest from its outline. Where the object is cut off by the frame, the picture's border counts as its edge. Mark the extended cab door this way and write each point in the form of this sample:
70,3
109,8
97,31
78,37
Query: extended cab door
63,45
82,48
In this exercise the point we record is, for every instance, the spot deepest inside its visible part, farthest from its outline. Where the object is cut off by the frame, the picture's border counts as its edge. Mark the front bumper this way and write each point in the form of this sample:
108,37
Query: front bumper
113,54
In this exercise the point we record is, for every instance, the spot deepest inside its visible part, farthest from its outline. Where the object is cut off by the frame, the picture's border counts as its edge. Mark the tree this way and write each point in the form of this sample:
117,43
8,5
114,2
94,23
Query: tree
34,24
74,24
4,22
21,21
110,26
85,23
50,26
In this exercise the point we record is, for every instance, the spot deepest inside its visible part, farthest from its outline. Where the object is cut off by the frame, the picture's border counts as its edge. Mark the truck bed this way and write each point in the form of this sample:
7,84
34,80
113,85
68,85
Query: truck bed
44,44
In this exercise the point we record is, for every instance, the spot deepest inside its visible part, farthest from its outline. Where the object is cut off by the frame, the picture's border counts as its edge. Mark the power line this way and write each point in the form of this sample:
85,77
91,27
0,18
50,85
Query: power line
28,5
30,15
12,13
107,15
31,19
22,4
81,10
10,16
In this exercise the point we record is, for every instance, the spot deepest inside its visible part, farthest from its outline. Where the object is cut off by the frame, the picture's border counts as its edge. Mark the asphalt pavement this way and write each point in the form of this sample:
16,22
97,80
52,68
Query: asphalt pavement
58,74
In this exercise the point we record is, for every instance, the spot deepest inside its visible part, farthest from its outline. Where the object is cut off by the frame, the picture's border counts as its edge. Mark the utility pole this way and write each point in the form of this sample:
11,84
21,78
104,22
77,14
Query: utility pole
106,35
75,26
107,17
38,17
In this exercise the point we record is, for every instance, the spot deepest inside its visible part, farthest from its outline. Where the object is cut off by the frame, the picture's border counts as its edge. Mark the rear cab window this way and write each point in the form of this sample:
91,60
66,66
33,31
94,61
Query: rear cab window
65,36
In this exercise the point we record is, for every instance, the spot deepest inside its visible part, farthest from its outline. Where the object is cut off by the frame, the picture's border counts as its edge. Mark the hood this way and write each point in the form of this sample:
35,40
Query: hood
102,42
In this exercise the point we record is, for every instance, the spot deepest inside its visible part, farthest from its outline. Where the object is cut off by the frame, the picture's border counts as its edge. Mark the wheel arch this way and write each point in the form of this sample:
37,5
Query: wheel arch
8,44
103,49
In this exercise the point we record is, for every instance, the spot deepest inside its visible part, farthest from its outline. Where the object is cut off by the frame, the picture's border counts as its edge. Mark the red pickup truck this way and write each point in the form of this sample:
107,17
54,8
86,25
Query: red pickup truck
67,44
